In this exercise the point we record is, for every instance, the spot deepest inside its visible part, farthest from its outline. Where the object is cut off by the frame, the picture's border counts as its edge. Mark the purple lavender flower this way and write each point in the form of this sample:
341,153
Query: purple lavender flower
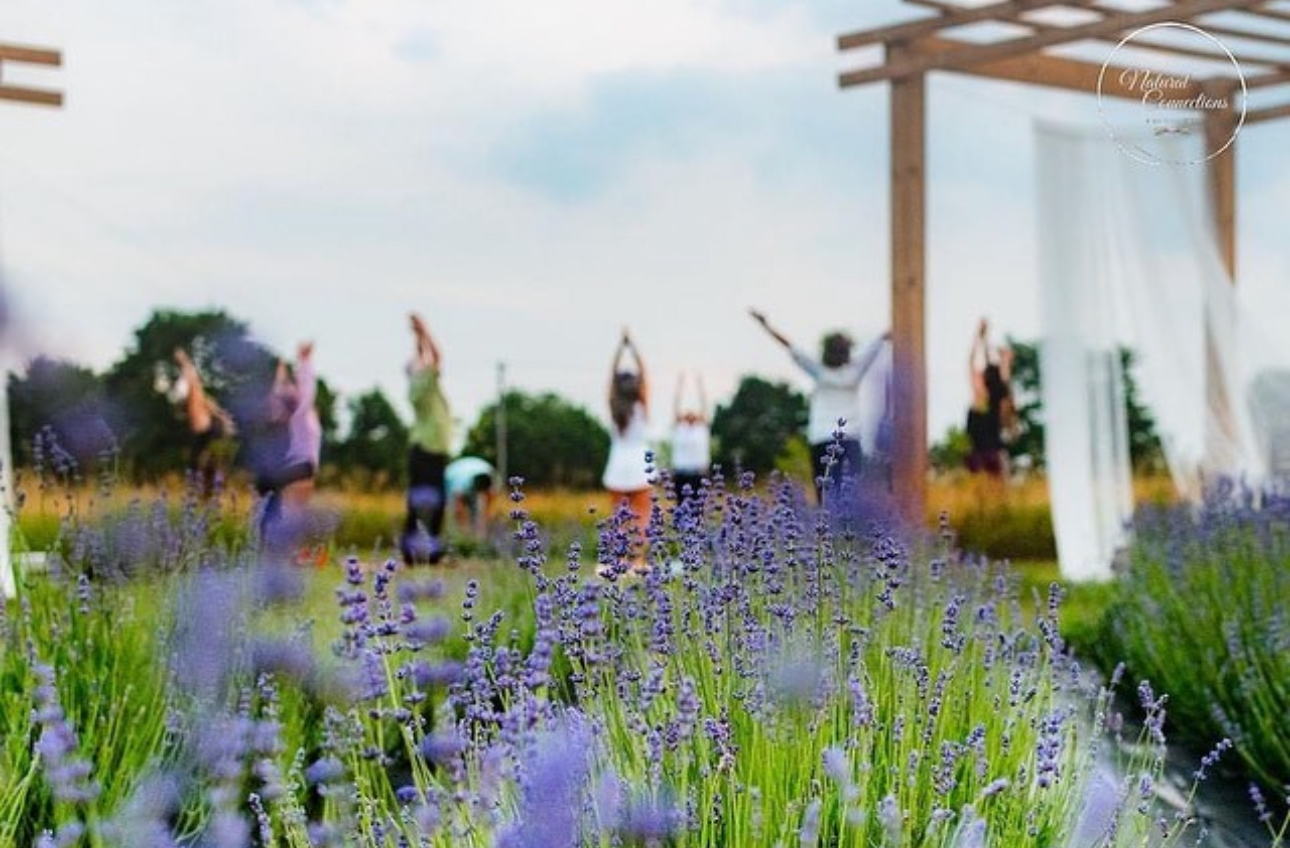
67,772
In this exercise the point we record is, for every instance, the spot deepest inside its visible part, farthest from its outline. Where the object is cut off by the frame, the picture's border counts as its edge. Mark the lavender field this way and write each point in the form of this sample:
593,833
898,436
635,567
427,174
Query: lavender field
783,675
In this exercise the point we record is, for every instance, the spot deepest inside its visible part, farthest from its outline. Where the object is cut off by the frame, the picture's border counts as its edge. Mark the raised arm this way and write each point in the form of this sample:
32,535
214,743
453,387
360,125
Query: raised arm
774,334
870,353
641,374
427,351
678,397
196,406
306,379
703,398
977,359
1005,364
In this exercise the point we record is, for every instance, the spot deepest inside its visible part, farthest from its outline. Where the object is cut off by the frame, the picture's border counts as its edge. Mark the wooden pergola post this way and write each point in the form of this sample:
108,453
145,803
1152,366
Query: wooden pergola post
1220,147
16,54
908,276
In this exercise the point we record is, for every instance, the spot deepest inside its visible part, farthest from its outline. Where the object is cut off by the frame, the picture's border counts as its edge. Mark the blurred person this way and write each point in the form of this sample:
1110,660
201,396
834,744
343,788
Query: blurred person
431,438
469,482
625,475
212,428
835,397
290,456
691,442
992,413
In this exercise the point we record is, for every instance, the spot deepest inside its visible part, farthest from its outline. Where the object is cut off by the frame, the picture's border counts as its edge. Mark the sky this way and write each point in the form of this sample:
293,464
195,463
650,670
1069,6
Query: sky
530,177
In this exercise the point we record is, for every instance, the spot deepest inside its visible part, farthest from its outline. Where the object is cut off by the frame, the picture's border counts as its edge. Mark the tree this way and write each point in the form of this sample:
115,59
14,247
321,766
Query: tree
376,445
235,369
951,452
1145,451
550,442
1027,449
754,431
65,400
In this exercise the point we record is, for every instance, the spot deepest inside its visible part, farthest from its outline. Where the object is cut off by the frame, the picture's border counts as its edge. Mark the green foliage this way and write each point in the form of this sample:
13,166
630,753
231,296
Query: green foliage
103,648
754,430
549,441
1008,531
951,452
1200,612
376,446
1027,449
68,399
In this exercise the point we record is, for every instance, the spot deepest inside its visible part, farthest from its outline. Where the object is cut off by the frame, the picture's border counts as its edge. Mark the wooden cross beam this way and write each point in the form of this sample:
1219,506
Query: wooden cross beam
978,53
14,54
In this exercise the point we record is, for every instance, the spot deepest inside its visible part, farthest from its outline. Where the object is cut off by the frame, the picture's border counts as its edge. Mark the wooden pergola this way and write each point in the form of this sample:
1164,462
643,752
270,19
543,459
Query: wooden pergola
12,54
1044,30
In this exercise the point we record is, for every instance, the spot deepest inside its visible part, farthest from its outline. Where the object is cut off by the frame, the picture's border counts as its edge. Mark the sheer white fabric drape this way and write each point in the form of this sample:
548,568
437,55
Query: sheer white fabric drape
1129,257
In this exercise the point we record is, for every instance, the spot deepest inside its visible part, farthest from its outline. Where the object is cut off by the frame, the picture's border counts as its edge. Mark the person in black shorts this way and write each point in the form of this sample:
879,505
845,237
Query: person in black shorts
431,439
991,412
211,427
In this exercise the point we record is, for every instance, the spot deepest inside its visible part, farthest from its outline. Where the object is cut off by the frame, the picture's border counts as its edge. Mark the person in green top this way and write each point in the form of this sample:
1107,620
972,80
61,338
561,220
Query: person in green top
431,439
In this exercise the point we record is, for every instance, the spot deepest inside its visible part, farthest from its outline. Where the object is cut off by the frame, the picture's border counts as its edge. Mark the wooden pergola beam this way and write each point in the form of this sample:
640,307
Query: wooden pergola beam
23,54
1267,80
1043,69
1248,35
34,96
1271,113
916,29
1272,14
978,53
30,55
1140,44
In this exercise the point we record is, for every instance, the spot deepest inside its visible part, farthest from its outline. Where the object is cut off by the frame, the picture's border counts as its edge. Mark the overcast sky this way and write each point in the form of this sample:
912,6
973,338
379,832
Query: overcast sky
530,176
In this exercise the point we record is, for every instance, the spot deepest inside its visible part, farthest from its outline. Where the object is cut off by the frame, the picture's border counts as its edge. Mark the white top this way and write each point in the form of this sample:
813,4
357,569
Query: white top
625,470
691,447
836,394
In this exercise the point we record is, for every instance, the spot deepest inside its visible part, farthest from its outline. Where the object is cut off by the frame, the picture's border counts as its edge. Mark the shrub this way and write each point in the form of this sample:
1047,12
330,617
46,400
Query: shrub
1200,610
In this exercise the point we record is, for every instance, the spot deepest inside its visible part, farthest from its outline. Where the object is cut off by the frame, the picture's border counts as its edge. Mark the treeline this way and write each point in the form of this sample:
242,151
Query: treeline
64,416
63,411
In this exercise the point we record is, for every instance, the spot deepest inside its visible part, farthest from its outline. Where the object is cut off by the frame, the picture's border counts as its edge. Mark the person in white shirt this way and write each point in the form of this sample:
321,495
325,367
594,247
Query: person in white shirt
836,397
625,475
691,442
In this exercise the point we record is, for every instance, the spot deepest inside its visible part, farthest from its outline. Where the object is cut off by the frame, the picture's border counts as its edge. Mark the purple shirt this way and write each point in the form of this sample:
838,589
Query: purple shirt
303,428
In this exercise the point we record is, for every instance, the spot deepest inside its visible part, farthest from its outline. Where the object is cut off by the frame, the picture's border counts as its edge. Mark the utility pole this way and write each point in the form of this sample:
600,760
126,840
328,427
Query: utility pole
13,54
499,421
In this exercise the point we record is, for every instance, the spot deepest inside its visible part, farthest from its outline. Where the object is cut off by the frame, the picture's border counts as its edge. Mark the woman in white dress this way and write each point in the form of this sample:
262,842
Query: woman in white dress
625,475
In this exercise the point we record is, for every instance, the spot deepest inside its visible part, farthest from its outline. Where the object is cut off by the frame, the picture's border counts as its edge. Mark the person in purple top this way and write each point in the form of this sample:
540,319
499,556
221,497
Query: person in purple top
287,483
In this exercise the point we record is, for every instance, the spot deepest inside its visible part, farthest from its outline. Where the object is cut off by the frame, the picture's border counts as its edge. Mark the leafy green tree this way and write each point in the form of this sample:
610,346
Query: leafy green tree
754,430
1145,450
951,452
376,446
1144,442
550,442
1027,448
67,399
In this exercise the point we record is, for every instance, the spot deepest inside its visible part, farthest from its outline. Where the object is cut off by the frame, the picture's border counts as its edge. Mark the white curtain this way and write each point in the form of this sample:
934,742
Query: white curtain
1081,255
1129,257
